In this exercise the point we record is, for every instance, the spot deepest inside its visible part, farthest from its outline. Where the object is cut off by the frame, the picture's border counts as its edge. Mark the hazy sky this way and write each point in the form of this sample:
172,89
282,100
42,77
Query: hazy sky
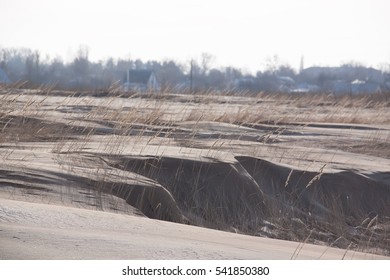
241,33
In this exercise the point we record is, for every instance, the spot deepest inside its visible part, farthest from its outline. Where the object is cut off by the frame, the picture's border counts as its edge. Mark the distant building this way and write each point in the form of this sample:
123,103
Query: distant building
346,73
141,80
244,83
387,86
345,79
359,87
306,88
339,87
3,77
354,87
285,84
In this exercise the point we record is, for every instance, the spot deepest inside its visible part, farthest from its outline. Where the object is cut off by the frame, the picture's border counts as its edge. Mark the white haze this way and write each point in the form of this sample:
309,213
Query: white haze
244,33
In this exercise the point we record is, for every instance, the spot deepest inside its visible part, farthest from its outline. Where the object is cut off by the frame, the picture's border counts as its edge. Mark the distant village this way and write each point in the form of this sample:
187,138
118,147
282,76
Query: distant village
27,67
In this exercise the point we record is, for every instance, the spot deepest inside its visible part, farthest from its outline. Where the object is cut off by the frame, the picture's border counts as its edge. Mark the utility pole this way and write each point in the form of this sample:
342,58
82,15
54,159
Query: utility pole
301,65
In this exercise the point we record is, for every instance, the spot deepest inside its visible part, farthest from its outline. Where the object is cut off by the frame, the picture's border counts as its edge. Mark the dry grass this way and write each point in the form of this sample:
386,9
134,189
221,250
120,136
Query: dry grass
114,127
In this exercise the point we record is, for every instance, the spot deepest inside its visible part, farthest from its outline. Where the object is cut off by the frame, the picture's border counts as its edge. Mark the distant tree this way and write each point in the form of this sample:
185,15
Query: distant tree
272,63
3,59
266,81
196,76
384,67
139,64
353,64
323,79
80,67
124,65
206,62
14,63
232,74
33,70
56,73
216,79
285,70
108,72
153,65
169,75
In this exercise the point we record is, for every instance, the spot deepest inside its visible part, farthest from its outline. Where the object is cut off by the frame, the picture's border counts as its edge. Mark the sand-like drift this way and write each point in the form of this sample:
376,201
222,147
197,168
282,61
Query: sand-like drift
41,231
193,164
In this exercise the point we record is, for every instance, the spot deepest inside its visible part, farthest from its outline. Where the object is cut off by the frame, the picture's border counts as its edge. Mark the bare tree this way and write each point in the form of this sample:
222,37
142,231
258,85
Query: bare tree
170,74
206,61
80,67
33,71
81,62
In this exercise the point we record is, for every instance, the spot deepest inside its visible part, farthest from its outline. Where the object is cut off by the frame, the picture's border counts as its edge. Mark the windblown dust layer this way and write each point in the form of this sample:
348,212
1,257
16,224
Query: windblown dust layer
211,161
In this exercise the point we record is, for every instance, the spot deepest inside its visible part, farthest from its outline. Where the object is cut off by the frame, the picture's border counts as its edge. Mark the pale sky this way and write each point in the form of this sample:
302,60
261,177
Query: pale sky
240,33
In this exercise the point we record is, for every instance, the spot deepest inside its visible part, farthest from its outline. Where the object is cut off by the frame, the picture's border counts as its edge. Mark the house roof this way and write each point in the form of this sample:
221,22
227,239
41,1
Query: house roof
139,76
